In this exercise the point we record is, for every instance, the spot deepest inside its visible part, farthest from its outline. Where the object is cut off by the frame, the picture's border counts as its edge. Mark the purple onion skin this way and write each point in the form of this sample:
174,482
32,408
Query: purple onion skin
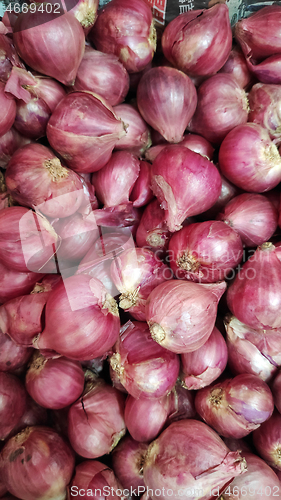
32,118
203,366
267,440
276,391
127,459
199,42
145,418
235,407
12,403
12,356
190,455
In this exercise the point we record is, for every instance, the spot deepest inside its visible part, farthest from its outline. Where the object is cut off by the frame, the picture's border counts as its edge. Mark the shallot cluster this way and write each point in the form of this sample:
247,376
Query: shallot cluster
140,252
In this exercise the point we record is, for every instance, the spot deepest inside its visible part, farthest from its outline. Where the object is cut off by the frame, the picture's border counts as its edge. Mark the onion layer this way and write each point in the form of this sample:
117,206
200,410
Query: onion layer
12,403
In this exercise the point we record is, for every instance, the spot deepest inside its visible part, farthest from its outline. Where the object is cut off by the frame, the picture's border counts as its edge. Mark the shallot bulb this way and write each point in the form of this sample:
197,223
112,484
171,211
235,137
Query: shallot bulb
254,296
235,407
54,383
222,105
137,138
267,440
265,108
115,181
276,390
198,144
15,283
93,476
185,183
201,367
252,216
252,351
96,421
249,159
86,145
9,57
36,178
259,477
167,99
189,456
9,143
126,30
144,368
135,273
56,50
198,42
205,252
12,356
152,232
236,66
13,399
141,193
104,75
82,320
145,418
37,463
181,315
127,460
27,240
8,110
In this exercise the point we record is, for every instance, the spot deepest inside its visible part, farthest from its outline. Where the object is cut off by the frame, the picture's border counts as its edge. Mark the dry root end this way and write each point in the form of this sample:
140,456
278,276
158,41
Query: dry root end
111,304
129,299
267,246
56,170
39,288
216,397
188,262
157,333
155,240
115,363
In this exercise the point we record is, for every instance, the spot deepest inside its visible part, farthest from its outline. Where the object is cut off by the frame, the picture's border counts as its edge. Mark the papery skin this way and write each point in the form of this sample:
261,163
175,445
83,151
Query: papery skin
54,48
267,440
265,108
252,351
137,138
27,240
141,193
205,252
253,216
152,231
254,296
92,475
12,356
145,418
9,143
127,459
126,31
89,319
102,74
235,407
135,273
145,369
15,283
9,57
8,110
185,183
13,398
249,159
201,367
54,383
258,477
48,470
259,35
96,421
188,455
276,391
199,42
267,71
115,181
36,178
167,100
222,105
33,415
236,67
86,145
181,315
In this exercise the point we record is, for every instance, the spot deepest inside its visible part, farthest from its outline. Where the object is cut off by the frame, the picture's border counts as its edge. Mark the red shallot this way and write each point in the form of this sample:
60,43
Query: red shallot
12,403
127,462
181,315
152,232
201,367
96,421
8,110
267,440
126,30
137,138
15,283
12,356
85,144
205,252
185,184
236,66
141,193
235,407
145,368
264,102
145,418
92,477
9,143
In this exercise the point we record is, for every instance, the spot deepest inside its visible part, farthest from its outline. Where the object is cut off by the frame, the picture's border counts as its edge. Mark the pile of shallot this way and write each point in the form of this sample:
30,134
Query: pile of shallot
140,253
